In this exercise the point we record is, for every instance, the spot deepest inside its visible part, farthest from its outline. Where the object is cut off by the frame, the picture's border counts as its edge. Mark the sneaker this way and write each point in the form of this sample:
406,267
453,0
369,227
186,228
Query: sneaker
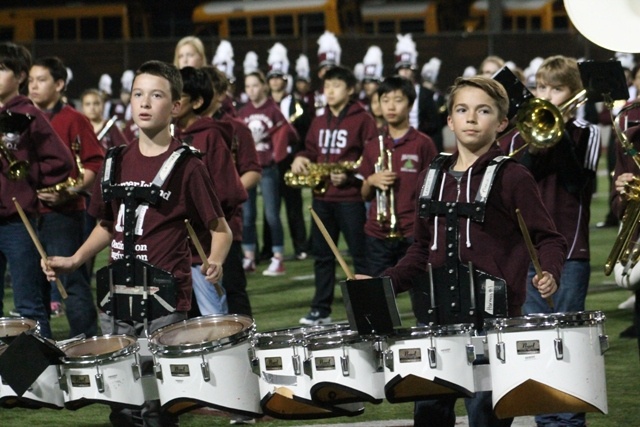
56,309
14,313
248,265
628,304
241,420
276,268
314,318
301,256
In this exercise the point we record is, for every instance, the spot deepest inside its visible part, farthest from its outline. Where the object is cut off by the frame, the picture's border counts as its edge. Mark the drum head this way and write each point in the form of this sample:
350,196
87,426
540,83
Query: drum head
333,339
99,348
11,327
201,334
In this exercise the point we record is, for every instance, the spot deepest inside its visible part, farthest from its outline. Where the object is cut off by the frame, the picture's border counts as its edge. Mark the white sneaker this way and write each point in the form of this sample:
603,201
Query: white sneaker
276,268
248,265
628,304
241,419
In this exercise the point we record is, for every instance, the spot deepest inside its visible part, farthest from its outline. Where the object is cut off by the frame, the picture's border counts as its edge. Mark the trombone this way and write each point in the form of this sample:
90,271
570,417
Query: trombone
541,124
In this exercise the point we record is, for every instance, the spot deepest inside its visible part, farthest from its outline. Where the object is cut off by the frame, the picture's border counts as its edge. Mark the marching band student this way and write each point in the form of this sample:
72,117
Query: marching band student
92,103
271,133
566,176
298,114
189,53
61,224
372,75
245,158
206,135
490,65
338,136
329,52
625,172
454,228
160,234
49,163
411,152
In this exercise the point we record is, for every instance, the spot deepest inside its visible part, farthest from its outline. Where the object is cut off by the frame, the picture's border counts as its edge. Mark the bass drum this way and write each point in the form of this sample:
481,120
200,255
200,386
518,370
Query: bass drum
45,391
426,362
285,389
548,363
204,362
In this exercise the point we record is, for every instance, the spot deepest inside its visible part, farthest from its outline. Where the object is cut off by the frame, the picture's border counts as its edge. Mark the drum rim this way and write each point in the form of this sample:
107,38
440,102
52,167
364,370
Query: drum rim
335,339
24,321
434,330
298,335
84,360
545,321
179,350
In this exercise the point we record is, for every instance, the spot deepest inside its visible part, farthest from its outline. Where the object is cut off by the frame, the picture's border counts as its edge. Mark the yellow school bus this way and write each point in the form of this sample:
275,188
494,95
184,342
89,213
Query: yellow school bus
273,17
73,22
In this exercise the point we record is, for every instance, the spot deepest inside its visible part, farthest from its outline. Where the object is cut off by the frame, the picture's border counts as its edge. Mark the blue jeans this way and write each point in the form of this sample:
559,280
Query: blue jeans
18,251
62,235
269,185
570,297
571,294
441,412
348,218
209,302
382,254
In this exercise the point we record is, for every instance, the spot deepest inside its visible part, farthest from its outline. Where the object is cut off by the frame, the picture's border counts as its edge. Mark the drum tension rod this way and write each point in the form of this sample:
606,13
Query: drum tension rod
99,379
344,362
204,366
558,346
431,354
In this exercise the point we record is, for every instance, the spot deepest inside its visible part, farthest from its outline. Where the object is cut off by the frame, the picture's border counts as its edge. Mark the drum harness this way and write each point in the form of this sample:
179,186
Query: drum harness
119,279
456,286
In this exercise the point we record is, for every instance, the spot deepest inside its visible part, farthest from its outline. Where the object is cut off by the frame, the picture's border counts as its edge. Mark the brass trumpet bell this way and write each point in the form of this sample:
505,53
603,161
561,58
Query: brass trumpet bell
540,123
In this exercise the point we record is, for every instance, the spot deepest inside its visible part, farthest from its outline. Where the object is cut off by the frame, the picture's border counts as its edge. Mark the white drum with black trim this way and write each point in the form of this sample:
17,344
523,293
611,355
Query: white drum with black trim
204,361
344,367
285,389
45,391
547,363
102,369
425,362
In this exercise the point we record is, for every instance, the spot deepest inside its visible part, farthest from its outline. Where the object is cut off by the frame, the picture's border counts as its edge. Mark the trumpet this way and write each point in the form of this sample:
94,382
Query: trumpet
66,186
318,172
385,199
17,169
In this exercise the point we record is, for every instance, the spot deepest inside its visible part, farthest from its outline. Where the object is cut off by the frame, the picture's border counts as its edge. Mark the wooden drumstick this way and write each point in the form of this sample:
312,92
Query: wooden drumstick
332,245
36,242
532,251
203,255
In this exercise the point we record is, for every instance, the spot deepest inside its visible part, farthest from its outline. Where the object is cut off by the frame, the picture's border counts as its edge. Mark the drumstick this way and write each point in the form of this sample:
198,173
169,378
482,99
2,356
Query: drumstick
203,256
332,245
532,250
36,242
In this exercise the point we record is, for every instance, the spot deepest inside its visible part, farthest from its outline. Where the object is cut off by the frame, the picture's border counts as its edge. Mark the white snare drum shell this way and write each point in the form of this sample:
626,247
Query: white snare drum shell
103,369
547,364
424,361
205,362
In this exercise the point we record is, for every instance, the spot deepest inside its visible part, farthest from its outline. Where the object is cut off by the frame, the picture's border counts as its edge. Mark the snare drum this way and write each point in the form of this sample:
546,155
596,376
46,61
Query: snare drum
344,367
426,362
102,369
204,361
285,389
45,391
547,363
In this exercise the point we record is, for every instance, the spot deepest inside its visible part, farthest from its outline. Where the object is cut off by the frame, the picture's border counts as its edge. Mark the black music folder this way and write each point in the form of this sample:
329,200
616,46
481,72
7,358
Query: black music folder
603,79
25,359
516,90
371,306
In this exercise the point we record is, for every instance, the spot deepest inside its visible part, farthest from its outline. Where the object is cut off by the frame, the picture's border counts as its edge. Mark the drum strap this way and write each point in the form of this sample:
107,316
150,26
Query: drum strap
132,280
459,285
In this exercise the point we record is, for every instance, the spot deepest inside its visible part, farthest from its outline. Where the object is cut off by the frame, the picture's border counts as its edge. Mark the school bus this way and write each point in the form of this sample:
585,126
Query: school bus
399,17
74,22
267,17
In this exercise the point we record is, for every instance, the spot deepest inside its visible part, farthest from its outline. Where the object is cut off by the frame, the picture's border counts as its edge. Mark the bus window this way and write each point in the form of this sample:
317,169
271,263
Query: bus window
399,17
267,17
74,22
